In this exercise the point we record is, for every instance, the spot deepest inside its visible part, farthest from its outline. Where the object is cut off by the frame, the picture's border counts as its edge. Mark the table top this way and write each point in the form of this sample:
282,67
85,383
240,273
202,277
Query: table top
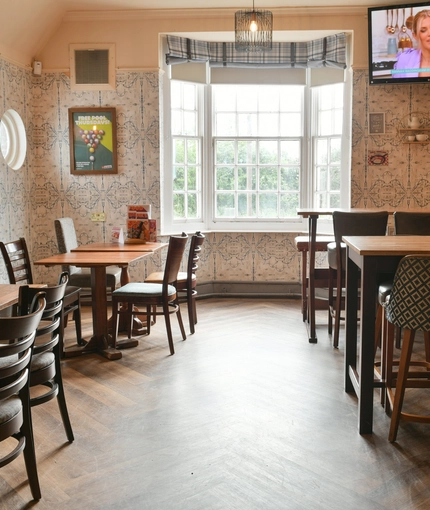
119,247
388,245
326,211
92,258
8,295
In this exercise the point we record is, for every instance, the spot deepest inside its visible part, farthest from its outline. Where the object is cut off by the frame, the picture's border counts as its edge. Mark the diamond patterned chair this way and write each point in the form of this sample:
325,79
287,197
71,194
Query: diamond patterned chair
408,308
17,335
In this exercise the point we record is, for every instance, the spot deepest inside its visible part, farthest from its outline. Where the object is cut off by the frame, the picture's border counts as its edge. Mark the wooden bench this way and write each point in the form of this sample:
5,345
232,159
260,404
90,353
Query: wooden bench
321,274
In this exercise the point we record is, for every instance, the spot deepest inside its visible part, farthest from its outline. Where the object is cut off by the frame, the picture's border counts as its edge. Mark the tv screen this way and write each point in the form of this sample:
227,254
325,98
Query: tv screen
399,43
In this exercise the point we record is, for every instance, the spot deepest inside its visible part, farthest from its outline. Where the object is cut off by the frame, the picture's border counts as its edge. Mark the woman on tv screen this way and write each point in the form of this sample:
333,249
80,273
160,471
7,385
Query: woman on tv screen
413,63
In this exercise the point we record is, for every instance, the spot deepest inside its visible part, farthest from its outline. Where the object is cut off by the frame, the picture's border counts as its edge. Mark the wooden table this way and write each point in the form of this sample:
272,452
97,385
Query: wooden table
376,257
8,295
97,261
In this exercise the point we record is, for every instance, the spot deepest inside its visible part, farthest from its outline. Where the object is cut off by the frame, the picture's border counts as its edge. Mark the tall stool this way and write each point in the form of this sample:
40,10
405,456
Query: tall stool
408,308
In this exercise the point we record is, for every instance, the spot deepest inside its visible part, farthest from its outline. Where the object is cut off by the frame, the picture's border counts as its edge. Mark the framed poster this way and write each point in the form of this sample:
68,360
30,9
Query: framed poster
376,123
92,134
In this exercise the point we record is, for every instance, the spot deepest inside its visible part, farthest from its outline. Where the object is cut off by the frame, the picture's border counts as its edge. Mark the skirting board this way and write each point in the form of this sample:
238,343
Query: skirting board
289,290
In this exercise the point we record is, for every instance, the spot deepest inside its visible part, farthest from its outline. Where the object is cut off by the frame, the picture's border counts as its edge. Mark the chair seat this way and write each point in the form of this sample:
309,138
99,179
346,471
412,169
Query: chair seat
331,255
143,289
41,361
82,277
9,409
384,291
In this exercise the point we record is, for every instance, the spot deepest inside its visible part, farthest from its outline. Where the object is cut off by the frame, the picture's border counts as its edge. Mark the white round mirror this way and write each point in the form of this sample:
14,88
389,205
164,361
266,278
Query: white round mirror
13,142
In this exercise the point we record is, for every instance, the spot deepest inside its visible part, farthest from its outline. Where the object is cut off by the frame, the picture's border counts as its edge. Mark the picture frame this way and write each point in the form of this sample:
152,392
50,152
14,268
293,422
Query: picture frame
377,123
92,133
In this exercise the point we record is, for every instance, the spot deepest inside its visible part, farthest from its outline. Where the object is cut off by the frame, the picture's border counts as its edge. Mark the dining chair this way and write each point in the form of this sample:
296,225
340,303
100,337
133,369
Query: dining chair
347,224
80,276
45,367
408,308
17,335
18,265
186,282
405,223
153,295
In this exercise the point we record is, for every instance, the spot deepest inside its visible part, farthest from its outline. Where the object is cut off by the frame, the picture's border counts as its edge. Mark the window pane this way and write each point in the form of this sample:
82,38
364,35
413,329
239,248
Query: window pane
290,152
190,123
179,151
289,205
247,100
225,179
247,205
268,124
291,124
225,152
178,178
192,178
268,152
247,152
179,205
268,205
192,205
225,205
192,151
290,179
247,124
268,179
225,124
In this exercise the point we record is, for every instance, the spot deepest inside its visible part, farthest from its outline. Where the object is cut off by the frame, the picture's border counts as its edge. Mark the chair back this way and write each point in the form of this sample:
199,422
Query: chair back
175,253
17,335
50,327
194,256
359,224
17,261
409,303
411,223
66,239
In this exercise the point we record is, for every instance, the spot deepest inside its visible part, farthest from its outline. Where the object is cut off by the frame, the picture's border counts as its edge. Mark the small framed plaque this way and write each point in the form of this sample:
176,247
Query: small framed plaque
376,123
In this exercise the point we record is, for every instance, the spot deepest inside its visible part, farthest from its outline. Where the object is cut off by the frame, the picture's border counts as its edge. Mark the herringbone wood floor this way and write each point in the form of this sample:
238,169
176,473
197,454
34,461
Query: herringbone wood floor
246,415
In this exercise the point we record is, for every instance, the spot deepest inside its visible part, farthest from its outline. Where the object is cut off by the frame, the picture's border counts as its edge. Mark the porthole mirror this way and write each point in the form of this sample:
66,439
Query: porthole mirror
13,142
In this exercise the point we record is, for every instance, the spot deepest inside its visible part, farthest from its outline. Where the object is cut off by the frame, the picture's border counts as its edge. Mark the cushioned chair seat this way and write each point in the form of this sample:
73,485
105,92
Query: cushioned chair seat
82,276
9,409
42,360
143,289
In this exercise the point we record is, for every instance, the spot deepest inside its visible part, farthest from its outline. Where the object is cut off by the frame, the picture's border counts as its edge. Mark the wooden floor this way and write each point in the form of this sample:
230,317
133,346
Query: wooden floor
246,415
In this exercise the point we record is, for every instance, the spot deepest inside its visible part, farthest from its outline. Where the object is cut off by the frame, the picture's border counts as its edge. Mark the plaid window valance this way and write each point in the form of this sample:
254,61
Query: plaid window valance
329,51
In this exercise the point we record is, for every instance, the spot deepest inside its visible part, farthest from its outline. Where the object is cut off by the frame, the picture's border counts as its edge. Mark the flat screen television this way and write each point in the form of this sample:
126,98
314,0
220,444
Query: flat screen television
396,53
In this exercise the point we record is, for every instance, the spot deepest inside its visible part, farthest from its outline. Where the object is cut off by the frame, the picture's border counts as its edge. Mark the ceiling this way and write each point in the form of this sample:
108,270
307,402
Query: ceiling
27,25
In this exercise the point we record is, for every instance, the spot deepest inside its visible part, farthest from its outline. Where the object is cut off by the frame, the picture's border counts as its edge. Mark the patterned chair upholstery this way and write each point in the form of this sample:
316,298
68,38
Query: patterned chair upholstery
408,307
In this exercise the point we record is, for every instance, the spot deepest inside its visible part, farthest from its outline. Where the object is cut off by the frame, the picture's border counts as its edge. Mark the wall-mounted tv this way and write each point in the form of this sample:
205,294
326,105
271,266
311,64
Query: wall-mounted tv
399,43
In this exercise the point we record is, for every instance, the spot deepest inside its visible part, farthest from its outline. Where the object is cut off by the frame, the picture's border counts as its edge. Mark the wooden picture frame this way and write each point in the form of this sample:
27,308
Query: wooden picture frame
377,123
92,133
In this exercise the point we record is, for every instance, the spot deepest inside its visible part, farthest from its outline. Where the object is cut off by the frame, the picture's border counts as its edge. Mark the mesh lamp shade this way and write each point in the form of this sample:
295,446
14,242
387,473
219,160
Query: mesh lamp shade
253,30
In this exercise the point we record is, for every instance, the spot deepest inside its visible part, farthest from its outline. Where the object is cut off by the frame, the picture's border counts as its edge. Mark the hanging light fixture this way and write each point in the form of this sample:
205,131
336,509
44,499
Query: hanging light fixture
253,30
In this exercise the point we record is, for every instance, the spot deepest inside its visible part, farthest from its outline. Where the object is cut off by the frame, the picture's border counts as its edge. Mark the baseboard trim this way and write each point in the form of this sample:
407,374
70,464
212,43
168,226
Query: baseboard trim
289,290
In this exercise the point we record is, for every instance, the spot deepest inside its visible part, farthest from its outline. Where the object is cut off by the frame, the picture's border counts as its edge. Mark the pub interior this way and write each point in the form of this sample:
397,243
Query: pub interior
259,269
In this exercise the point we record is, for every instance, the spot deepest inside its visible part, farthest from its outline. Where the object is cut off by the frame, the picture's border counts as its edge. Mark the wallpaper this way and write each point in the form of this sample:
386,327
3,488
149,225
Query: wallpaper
32,197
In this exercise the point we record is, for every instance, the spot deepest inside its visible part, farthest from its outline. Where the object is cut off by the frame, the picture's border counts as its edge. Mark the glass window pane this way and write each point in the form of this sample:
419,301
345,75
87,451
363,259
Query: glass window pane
178,178
247,152
290,179
192,178
247,124
268,124
189,96
291,124
225,178
335,150
192,151
290,152
289,205
190,123
321,149
192,205
247,99
178,151
178,206
335,178
225,124
225,205
176,123
268,99
246,205
268,205
268,152
225,152
268,178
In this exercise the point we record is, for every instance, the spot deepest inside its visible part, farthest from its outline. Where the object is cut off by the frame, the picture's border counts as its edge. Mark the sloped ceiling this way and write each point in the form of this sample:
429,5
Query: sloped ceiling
27,25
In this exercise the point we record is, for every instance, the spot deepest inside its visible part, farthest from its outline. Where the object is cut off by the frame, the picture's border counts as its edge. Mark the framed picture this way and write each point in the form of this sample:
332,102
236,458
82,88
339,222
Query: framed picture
376,123
92,134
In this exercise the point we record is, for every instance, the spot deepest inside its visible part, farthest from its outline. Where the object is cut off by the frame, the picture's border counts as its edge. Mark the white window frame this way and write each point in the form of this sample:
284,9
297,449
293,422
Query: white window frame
168,225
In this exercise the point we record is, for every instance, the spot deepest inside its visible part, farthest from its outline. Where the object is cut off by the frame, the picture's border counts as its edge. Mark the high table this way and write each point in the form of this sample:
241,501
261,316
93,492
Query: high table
97,261
375,256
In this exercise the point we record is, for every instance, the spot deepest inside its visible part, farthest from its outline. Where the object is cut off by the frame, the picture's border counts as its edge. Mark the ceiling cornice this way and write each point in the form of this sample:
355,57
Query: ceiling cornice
127,15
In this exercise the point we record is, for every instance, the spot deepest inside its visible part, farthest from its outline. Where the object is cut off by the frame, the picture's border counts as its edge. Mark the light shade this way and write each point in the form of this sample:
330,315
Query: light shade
253,30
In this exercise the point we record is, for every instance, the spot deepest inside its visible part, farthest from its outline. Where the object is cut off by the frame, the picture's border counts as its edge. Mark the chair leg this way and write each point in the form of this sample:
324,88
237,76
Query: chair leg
331,277
29,451
115,322
405,357
338,311
78,325
181,324
61,399
191,310
168,328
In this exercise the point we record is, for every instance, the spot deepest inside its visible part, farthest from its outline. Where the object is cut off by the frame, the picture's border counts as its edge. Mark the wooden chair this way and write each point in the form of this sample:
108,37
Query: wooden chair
408,308
347,224
80,276
187,280
148,295
18,265
17,335
45,368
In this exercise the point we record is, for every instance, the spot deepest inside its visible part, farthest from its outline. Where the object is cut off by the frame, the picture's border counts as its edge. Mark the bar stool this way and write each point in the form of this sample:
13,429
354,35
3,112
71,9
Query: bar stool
408,307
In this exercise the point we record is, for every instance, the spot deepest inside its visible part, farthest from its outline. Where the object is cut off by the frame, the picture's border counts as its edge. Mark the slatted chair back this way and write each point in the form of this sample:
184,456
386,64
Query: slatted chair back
17,261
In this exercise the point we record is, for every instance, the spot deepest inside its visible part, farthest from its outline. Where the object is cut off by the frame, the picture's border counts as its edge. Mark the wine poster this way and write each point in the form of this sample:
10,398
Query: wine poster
92,141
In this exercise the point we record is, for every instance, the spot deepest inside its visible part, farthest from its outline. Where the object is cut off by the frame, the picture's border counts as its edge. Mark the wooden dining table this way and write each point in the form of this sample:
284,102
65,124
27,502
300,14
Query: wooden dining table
97,260
370,260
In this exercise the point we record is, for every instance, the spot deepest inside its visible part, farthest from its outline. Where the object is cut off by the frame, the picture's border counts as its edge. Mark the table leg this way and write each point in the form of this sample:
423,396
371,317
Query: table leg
311,280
